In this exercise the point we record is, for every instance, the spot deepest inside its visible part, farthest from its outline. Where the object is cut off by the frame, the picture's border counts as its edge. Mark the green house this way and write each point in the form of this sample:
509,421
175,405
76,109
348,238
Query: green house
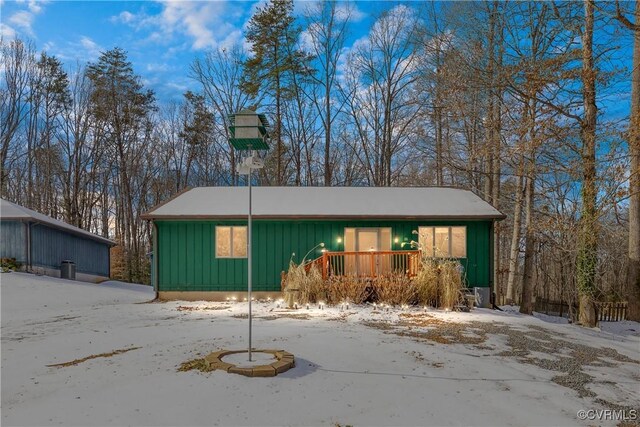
200,236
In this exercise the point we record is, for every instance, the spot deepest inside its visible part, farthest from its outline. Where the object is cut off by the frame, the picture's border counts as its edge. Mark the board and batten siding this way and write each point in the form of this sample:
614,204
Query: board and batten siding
51,246
13,240
187,261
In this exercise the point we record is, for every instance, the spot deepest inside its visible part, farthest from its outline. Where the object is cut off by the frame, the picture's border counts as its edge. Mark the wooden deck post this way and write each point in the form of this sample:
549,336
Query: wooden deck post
324,265
373,269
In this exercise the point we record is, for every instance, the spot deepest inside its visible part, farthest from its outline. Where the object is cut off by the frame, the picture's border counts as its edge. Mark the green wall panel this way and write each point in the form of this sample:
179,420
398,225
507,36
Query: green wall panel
187,262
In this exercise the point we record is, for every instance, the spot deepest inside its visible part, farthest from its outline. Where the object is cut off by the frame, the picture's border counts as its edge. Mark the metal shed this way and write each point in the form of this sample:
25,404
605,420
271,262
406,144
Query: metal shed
41,243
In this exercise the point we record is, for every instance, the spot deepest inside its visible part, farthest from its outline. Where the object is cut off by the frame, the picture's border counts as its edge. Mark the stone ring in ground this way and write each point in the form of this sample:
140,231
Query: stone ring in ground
284,362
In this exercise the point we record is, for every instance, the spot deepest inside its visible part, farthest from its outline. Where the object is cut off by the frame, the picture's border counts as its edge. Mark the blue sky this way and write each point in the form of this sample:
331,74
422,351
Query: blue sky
161,37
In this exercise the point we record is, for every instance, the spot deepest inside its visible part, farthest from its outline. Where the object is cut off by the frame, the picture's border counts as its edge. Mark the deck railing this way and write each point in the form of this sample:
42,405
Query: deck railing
367,264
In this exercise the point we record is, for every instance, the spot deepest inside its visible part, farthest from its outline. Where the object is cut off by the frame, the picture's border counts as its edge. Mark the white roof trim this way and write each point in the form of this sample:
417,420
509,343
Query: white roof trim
11,211
282,202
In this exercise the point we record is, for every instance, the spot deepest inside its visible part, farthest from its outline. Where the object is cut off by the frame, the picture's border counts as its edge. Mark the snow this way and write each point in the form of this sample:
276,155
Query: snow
347,372
257,358
419,202
11,211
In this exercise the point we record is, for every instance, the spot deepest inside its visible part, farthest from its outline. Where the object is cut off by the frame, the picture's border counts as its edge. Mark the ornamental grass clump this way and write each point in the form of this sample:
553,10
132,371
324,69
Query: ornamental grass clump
439,283
347,288
313,287
302,286
450,284
426,282
394,289
292,283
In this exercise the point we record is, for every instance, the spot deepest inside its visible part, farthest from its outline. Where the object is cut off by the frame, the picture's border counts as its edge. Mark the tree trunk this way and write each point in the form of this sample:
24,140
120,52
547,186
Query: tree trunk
588,243
327,127
529,247
515,242
634,181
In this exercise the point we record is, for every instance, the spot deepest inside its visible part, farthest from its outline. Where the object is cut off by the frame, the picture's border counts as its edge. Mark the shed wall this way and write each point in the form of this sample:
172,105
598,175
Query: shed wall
13,241
187,259
51,246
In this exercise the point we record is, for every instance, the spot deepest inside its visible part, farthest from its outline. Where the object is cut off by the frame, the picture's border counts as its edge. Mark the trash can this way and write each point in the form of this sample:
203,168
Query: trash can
68,270
483,296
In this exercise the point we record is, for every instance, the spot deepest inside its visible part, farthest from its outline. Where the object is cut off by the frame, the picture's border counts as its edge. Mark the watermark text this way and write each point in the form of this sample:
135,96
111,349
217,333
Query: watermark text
608,414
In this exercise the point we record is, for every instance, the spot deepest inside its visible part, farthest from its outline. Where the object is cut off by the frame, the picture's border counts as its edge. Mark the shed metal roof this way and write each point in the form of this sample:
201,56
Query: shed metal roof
326,202
11,211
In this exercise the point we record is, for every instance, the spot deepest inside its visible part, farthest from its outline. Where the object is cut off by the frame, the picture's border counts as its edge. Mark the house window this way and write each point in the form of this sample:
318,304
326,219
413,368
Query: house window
443,242
231,242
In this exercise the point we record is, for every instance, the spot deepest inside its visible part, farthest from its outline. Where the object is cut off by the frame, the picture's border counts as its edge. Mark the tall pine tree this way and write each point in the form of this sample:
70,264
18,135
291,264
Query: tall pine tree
273,34
121,108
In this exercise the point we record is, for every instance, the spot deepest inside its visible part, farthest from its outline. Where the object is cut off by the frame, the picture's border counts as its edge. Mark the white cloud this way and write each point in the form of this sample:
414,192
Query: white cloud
7,32
206,24
124,17
34,6
158,67
92,48
306,39
23,19
350,12
82,50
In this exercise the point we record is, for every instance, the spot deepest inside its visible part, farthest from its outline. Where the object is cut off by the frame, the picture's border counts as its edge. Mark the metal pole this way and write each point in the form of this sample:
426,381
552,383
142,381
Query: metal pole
249,257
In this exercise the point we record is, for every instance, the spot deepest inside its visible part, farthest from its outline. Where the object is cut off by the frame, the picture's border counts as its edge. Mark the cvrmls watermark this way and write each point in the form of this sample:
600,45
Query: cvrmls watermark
608,414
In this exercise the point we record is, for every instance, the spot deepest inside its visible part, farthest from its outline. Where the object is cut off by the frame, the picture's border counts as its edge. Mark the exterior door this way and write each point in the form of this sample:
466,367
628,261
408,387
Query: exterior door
367,242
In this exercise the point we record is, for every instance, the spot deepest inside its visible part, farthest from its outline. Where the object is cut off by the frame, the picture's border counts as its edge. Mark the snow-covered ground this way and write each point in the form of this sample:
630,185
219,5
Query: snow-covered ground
362,366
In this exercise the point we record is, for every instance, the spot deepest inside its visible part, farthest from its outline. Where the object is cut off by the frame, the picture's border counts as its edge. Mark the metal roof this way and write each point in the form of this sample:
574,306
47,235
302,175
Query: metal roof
11,211
326,202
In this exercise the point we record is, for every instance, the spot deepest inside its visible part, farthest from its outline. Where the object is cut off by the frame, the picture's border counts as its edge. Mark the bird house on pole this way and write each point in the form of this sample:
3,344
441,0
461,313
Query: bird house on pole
248,130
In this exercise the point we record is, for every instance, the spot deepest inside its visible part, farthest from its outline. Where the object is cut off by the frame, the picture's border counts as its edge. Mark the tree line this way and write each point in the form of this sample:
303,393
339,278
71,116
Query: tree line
514,101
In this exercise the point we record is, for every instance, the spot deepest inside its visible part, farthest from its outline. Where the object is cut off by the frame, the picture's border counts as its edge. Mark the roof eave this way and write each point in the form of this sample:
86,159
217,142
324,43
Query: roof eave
91,236
150,216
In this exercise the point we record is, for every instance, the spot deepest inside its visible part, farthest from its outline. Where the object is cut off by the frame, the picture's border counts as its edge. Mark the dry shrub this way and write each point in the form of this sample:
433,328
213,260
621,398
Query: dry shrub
450,284
394,289
313,287
292,283
426,282
439,283
303,286
347,288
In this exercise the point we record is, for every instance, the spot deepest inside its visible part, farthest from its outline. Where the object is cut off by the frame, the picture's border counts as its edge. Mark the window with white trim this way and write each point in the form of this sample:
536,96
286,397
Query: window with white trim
231,242
443,242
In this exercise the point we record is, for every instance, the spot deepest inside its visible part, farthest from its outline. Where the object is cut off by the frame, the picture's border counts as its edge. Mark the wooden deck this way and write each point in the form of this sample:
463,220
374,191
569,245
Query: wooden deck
367,264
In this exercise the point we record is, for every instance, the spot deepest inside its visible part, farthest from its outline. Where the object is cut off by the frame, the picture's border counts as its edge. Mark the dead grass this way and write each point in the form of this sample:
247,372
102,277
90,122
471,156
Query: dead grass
439,283
187,308
94,356
302,286
394,289
450,284
301,316
426,327
427,283
347,288
195,364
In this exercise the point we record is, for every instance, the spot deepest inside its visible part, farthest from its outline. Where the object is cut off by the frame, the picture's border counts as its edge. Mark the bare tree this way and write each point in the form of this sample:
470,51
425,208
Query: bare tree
17,63
634,170
379,90
588,241
220,75
327,26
